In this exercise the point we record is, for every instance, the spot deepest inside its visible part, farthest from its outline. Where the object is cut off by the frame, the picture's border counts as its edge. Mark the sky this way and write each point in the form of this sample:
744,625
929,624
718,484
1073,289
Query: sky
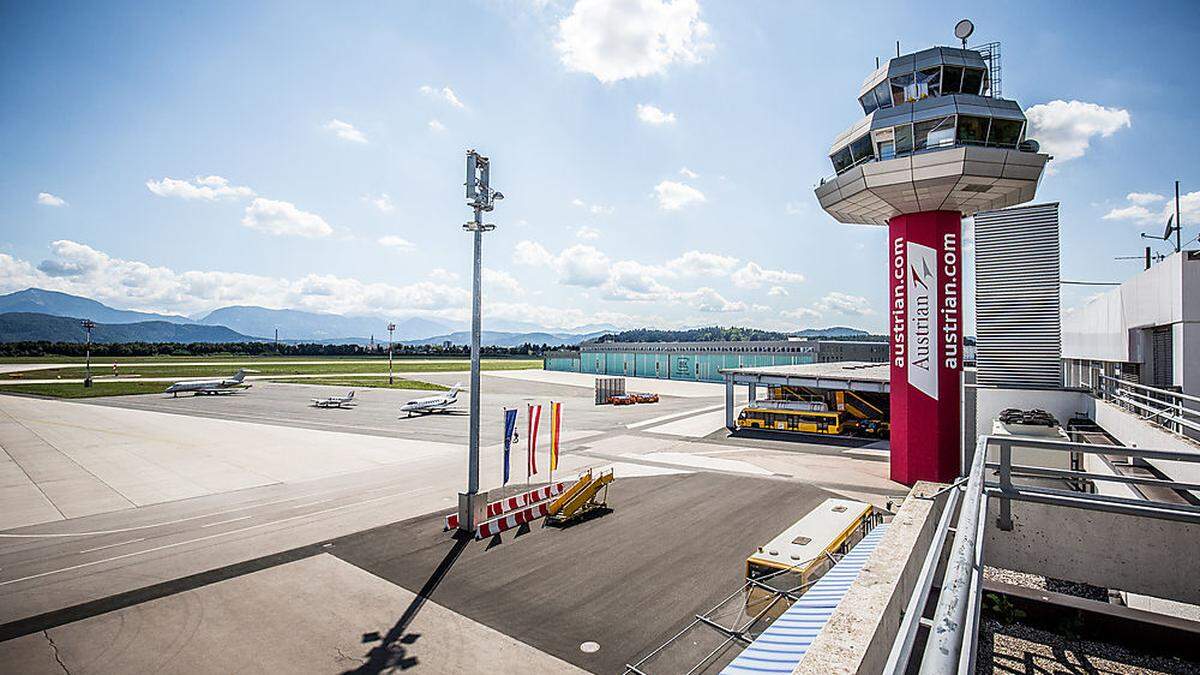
658,157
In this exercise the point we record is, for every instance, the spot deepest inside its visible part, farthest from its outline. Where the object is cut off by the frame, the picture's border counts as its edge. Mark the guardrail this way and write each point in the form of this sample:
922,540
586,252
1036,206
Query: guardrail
1168,409
953,630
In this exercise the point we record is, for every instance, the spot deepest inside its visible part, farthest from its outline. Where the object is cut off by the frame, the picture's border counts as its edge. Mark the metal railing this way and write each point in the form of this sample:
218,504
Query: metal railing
1168,409
952,643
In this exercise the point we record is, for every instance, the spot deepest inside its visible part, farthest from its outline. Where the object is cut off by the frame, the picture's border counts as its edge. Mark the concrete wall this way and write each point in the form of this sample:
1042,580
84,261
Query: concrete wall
860,633
1159,558
989,401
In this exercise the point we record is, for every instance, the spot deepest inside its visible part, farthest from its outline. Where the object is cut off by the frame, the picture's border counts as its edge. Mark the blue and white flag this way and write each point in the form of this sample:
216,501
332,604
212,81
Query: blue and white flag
510,427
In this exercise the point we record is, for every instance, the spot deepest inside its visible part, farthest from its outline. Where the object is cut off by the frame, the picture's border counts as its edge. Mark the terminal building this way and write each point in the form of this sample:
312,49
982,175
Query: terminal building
703,361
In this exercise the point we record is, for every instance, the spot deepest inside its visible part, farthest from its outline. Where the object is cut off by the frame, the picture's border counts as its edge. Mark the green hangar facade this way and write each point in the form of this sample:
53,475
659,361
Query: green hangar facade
703,361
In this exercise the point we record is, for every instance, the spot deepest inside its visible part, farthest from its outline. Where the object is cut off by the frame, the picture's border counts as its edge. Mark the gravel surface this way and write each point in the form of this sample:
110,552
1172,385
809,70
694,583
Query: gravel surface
1016,648
1042,583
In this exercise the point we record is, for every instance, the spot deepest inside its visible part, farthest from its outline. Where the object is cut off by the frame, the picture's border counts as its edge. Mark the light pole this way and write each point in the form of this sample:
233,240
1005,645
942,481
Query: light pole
88,325
481,197
391,327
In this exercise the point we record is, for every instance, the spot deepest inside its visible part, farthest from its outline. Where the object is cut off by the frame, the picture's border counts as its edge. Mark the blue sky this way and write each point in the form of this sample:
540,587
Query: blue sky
658,158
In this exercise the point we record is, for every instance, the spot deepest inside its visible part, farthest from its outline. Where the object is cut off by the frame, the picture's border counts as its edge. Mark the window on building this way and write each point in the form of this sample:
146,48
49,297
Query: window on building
1005,133
952,79
861,149
972,80
934,133
900,85
869,105
904,139
929,82
887,150
841,159
972,129
882,97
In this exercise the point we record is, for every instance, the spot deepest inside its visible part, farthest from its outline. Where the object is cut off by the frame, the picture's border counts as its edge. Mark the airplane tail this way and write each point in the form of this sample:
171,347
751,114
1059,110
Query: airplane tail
455,389
239,376
350,396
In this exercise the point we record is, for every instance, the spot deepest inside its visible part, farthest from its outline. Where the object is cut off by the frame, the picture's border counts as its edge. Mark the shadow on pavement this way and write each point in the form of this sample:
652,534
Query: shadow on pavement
392,650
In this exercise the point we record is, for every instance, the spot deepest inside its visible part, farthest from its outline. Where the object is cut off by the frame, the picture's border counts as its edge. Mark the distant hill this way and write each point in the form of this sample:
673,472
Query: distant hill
294,324
29,326
53,303
831,332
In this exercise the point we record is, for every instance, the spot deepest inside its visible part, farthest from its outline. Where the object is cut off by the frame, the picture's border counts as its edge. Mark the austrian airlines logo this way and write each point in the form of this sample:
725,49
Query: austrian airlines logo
922,319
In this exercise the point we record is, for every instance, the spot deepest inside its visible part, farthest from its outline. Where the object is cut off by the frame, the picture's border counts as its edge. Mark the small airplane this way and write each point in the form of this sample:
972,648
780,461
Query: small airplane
346,401
228,385
432,404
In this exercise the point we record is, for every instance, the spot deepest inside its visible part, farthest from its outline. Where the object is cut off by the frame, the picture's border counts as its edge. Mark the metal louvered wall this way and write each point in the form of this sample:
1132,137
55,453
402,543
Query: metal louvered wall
1017,304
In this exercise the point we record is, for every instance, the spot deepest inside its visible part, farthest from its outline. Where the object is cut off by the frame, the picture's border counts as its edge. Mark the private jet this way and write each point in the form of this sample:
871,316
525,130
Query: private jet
346,401
228,385
432,404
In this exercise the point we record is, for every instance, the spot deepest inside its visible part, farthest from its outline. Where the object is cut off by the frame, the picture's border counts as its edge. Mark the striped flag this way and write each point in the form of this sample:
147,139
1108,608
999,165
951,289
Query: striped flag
535,419
510,426
555,432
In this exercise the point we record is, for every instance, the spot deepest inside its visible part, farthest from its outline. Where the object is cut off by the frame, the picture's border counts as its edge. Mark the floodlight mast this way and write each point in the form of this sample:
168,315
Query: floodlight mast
88,325
481,197
391,327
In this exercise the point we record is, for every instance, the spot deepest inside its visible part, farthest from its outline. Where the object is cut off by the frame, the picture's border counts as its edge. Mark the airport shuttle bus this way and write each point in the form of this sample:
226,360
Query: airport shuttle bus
783,416
803,552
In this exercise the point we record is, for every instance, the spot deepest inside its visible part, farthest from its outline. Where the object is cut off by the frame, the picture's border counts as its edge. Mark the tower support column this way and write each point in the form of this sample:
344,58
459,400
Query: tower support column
925,330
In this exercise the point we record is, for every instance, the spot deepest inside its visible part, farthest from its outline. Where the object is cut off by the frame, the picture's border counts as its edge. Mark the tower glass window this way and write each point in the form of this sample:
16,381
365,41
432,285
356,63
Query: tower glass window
972,80
869,105
934,133
882,96
904,139
900,88
972,129
952,79
1005,133
861,149
929,82
841,159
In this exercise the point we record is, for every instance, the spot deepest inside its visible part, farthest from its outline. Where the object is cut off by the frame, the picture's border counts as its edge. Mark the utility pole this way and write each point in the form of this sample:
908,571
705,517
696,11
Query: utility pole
481,197
88,325
1178,222
391,327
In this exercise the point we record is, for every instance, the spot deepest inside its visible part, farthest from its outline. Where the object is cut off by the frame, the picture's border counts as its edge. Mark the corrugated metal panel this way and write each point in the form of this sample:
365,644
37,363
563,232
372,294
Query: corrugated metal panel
780,647
1018,309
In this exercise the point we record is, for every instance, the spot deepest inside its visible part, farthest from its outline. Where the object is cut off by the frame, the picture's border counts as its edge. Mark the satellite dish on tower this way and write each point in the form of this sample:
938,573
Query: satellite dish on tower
963,30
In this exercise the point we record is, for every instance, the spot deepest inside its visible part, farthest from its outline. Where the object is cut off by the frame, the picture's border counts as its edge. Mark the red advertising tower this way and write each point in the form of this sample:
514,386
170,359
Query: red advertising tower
937,144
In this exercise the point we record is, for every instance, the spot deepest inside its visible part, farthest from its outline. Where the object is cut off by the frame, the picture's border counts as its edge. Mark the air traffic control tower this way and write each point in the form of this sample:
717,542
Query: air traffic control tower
937,144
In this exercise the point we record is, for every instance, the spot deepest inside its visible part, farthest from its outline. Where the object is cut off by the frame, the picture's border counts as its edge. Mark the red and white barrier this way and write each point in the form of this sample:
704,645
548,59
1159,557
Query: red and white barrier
494,527
517,501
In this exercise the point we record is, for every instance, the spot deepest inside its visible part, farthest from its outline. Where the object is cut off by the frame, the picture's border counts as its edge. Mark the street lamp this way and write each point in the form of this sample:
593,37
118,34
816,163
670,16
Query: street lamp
88,325
391,327
481,197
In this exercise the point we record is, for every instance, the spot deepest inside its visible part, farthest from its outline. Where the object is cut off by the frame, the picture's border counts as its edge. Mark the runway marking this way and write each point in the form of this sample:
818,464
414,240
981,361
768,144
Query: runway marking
204,538
225,522
663,418
101,548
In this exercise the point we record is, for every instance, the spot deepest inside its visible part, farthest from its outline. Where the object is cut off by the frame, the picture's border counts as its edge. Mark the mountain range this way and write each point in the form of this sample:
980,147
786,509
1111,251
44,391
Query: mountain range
29,326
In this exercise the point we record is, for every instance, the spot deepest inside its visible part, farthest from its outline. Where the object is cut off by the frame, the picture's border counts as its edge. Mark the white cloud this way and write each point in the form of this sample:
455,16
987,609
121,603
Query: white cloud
801,313
651,114
531,254
383,202
633,38
82,270
208,188
842,303
283,218
1065,128
436,126
795,208
708,300
47,199
688,173
587,233
594,209
1140,211
700,263
398,243
345,131
754,276
582,265
673,195
778,292
445,93
1144,197
497,279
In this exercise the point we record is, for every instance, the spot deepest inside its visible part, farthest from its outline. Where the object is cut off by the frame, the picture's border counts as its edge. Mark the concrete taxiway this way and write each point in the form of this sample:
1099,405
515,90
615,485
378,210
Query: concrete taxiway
148,510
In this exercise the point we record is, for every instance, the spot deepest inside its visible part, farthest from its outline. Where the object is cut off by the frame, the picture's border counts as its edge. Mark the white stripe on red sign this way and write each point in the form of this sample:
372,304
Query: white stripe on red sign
494,527
515,502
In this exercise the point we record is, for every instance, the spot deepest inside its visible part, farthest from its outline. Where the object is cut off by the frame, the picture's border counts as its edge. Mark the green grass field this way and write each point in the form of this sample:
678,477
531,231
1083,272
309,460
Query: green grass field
333,367
372,382
77,390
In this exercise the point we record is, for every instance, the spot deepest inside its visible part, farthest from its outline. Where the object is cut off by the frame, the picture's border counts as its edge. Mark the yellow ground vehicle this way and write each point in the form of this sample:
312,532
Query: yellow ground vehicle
786,419
803,552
